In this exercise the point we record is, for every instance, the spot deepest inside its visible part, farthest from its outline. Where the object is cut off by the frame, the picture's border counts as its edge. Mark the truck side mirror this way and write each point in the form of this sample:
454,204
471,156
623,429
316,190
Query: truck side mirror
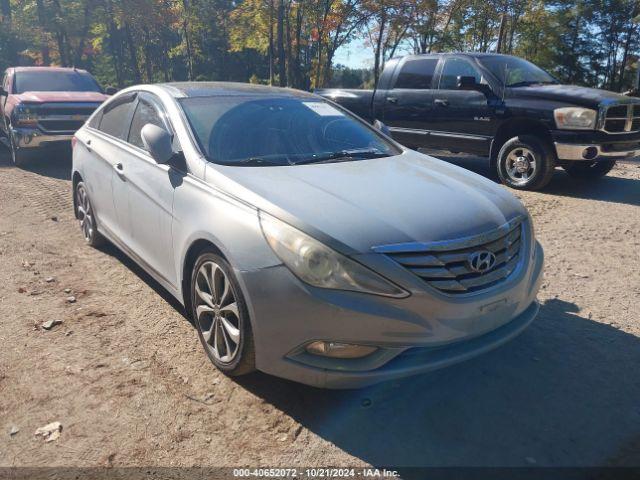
467,83
158,143
111,90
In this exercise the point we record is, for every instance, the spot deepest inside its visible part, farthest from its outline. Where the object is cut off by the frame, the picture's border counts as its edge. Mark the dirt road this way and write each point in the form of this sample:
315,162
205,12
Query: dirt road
125,374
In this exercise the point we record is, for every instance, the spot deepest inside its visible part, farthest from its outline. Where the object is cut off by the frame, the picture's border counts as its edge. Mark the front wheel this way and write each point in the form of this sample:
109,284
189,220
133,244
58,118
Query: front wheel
526,162
589,170
18,157
220,315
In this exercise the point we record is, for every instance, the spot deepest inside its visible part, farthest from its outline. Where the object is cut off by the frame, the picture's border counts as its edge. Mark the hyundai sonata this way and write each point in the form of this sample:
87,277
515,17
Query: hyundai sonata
304,242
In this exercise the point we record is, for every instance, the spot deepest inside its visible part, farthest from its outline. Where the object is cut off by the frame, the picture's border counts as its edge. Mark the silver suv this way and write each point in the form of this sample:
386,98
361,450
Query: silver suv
304,242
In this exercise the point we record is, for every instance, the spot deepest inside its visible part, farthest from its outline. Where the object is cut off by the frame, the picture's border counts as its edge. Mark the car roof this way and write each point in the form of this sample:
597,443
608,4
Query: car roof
48,69
211,89
459,54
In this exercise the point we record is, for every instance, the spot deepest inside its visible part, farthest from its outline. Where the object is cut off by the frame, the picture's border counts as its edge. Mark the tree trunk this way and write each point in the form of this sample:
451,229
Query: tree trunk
378,49
187,39
137,78
501,32
44,45
271,49
282,65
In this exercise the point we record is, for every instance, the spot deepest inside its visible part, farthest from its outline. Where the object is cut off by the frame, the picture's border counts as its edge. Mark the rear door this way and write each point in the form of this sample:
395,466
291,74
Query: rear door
462,120
103,142
408,106
150,192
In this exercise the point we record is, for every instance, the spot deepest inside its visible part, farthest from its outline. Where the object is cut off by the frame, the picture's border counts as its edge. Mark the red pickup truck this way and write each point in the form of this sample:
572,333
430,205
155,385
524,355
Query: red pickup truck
42,107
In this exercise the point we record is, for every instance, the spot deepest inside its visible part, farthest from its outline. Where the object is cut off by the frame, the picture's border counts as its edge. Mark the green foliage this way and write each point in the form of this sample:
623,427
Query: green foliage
590,42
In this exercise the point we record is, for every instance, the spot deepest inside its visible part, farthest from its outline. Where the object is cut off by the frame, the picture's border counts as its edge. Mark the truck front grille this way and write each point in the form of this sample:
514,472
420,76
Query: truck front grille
63,117
622,118
447,266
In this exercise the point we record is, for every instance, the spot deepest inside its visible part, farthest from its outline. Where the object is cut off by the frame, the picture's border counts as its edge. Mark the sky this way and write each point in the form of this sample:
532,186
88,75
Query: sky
358,54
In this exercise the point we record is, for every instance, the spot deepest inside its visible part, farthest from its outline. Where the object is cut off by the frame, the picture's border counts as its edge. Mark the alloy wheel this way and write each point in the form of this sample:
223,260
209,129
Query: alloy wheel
521,165
85,213
217,312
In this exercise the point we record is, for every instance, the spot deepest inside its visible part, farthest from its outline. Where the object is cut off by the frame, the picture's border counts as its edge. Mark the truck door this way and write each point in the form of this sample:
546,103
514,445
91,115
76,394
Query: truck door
462,119
408,105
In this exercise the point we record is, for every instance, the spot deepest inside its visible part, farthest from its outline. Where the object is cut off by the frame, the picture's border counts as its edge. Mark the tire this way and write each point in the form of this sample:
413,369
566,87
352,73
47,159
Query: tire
18,157
526,162
220,315
589,170
86,216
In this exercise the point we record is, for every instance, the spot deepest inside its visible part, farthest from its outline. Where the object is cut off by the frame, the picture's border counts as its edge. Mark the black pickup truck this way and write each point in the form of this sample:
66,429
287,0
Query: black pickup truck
501,107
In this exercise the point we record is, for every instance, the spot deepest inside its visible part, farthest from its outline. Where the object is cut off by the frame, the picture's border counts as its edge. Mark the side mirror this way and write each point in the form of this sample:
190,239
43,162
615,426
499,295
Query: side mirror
158,143
467,83
378,125
111,90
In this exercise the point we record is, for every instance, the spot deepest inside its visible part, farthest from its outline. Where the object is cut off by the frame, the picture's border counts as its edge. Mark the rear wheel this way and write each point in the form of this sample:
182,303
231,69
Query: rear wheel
589,170
526,162
86,216
220,315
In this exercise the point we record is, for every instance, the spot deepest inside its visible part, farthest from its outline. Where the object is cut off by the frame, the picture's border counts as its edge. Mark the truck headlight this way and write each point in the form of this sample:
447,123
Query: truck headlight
318,265
24,116
575,118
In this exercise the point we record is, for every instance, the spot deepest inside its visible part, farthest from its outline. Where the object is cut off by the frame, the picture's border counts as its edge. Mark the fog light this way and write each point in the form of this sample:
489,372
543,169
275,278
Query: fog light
590,153
340,350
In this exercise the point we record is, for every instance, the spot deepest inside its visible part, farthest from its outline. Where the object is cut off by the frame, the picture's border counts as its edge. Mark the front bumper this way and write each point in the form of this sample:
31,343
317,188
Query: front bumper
423,332
33,138
590,146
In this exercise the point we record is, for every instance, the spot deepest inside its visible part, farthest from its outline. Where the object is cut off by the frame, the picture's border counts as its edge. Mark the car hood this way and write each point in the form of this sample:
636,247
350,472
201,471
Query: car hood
572,94
406,198
46,97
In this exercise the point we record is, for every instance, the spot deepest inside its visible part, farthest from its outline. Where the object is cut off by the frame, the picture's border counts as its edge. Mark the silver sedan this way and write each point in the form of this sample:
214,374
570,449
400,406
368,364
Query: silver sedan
304,242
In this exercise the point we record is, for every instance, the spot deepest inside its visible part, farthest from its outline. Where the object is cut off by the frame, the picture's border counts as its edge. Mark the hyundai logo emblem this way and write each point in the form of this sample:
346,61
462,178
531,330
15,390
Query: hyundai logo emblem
481,261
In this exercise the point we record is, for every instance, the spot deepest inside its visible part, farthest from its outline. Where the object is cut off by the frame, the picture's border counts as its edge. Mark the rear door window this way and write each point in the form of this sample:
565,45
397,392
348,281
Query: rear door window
454,68
417,74
116,120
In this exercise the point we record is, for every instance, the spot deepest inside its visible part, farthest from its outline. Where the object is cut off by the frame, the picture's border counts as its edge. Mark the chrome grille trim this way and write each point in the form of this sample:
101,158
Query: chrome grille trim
621,118
444,265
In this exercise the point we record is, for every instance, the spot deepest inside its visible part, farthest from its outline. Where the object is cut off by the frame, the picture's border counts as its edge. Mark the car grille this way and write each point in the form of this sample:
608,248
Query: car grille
446,266
622,118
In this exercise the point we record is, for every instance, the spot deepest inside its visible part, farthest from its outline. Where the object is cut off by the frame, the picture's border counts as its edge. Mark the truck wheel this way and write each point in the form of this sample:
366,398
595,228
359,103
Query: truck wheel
18,157
589,170
526,162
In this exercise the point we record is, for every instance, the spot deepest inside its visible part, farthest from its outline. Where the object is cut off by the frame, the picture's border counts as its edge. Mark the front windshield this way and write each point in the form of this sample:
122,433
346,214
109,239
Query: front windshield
263,131
61,81
516,72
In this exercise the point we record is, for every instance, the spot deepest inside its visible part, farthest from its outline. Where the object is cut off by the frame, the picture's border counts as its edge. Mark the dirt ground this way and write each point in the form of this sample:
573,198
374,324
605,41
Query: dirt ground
127,378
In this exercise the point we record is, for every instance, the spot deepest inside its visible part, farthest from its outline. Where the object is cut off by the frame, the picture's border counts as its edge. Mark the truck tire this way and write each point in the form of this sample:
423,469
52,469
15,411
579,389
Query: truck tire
589,170
18,157
526,162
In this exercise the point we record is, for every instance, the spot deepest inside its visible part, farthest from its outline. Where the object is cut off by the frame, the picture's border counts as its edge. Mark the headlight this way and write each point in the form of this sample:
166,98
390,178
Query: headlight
318,265
574,118
24,115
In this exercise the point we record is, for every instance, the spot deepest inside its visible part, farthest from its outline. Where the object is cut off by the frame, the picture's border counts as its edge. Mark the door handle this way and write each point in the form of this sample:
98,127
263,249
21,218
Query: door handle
88,144
392,100
441,102
119,169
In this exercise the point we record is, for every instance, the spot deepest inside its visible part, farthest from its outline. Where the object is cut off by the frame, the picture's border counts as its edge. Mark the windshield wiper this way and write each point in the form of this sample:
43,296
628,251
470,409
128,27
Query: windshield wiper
343,156
258,161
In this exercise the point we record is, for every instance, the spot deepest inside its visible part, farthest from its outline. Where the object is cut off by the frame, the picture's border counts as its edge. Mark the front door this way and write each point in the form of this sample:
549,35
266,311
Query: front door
462,120
150,193
408,106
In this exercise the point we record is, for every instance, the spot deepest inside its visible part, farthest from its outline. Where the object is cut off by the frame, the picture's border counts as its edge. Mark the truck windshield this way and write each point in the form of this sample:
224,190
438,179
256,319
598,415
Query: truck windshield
516,72
274,131
55,81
